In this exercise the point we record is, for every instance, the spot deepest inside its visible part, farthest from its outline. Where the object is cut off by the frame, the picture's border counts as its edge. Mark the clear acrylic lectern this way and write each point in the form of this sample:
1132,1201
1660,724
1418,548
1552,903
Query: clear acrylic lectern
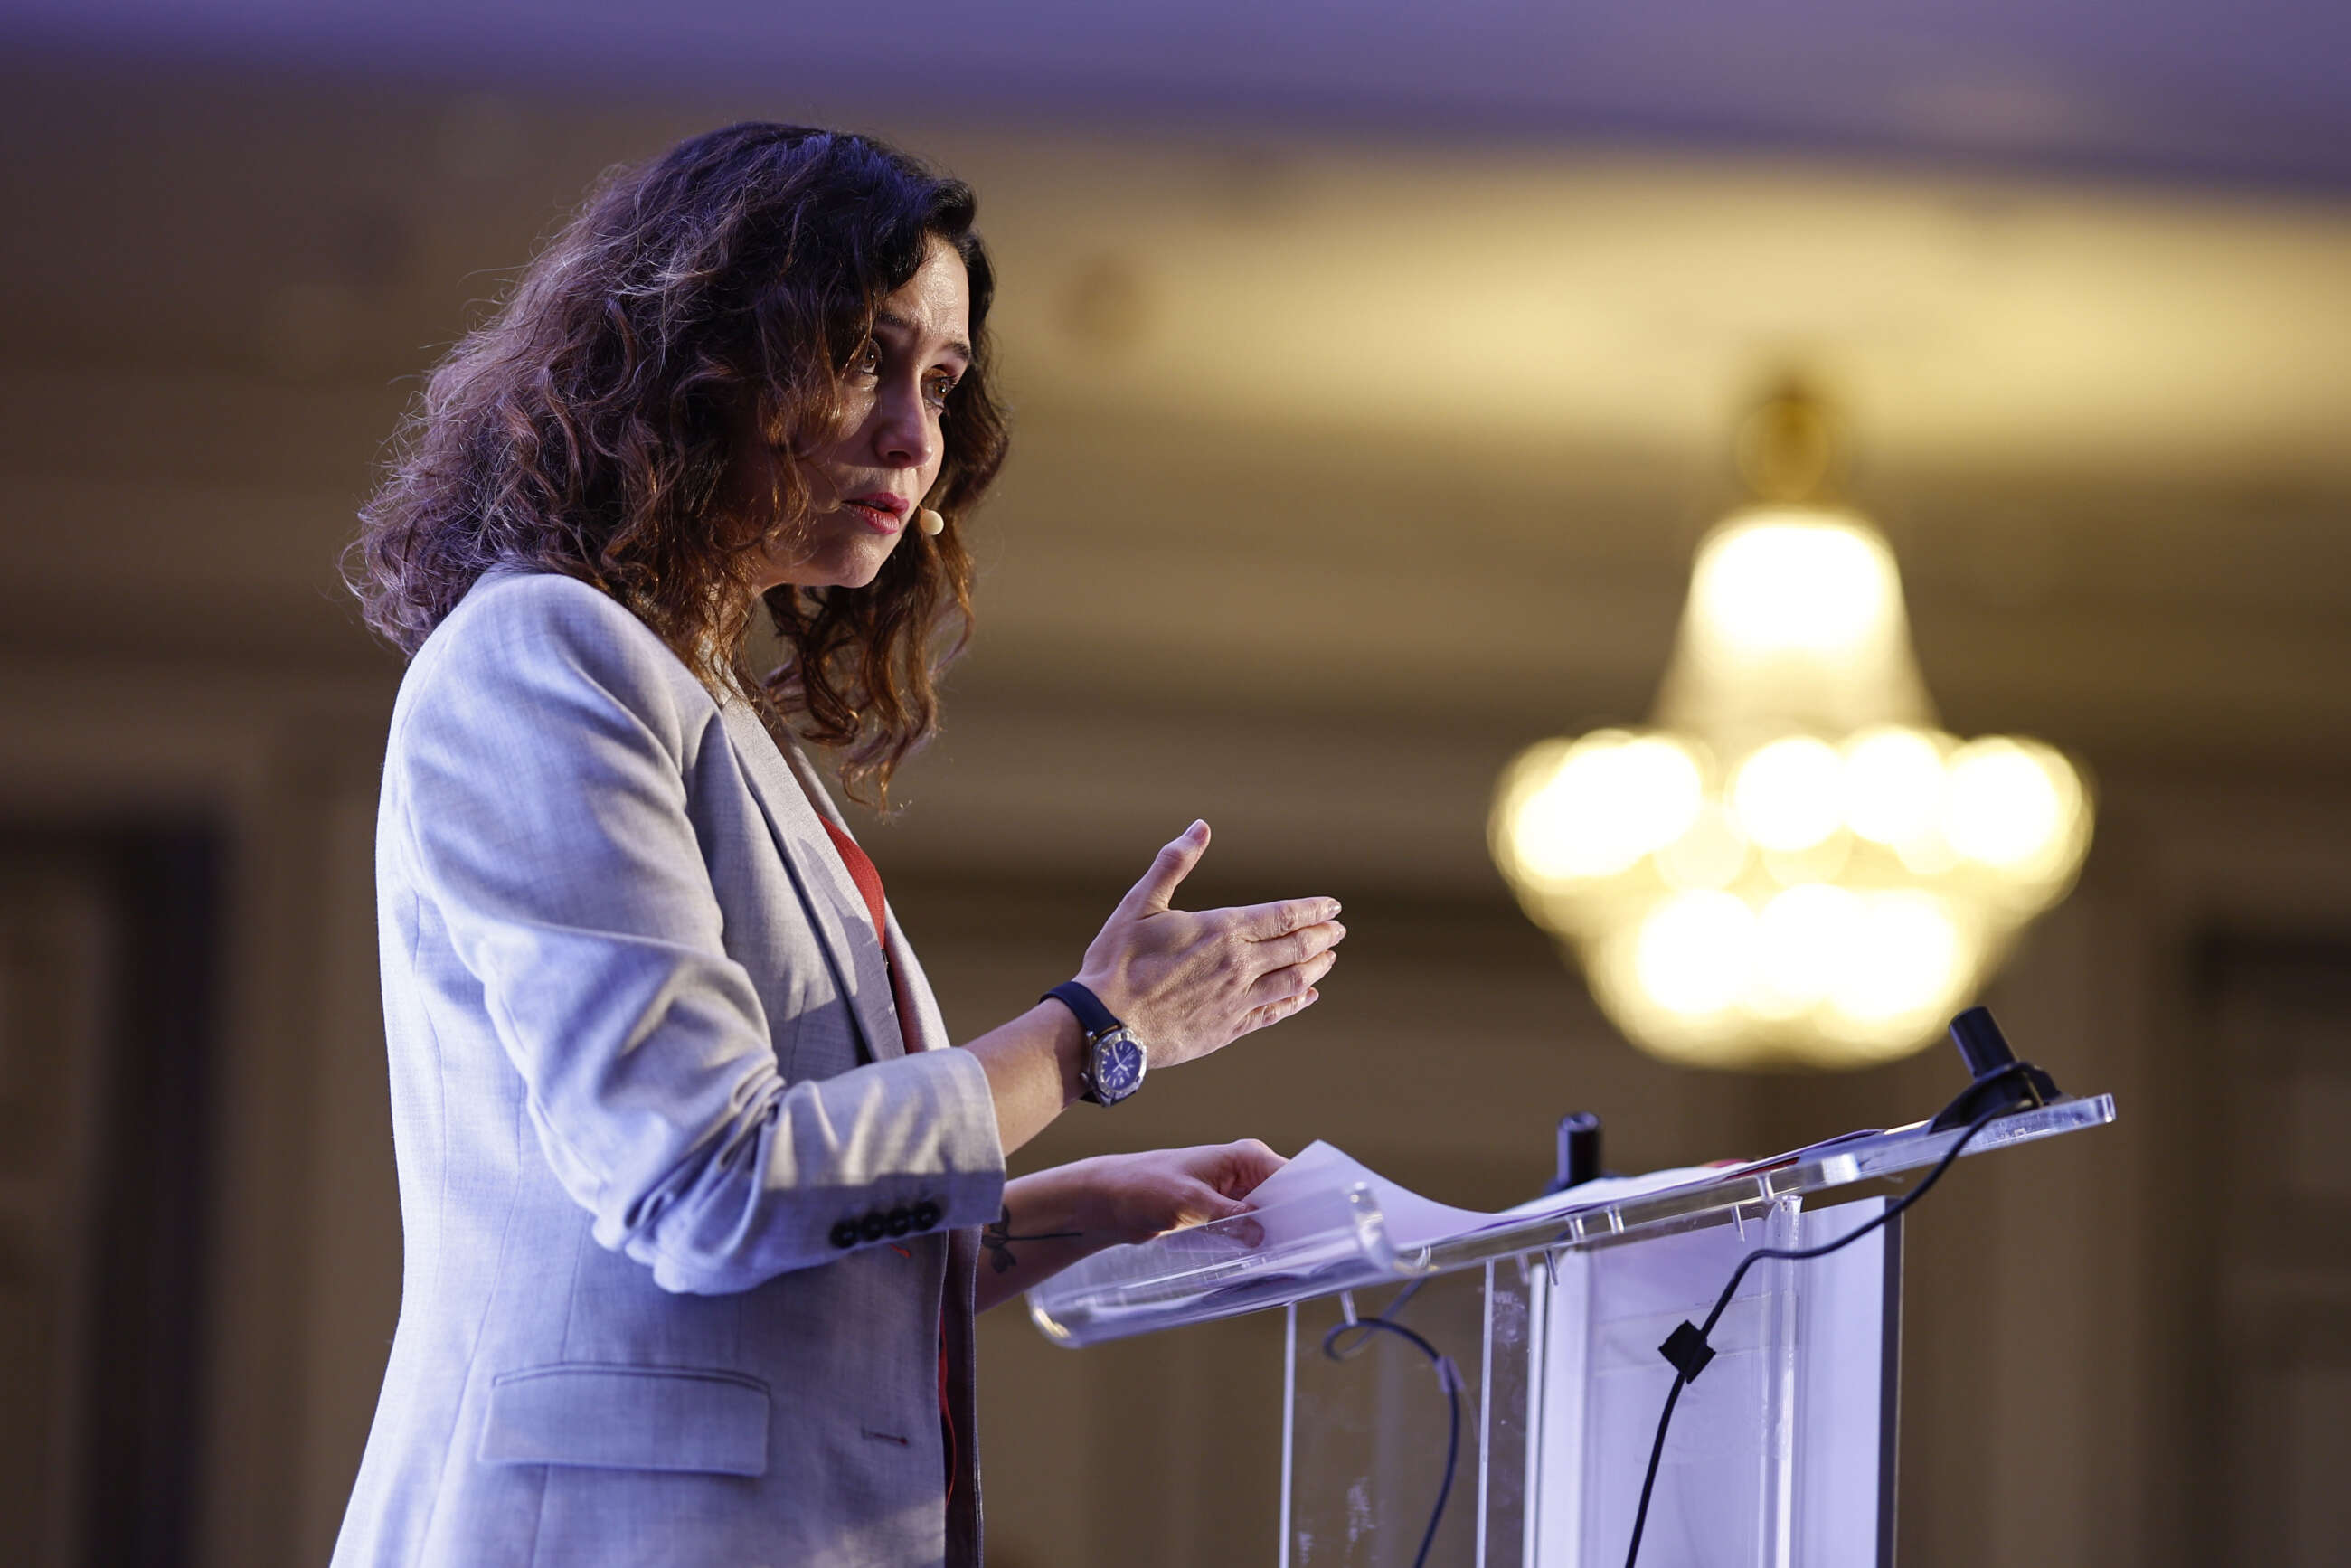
1529,1387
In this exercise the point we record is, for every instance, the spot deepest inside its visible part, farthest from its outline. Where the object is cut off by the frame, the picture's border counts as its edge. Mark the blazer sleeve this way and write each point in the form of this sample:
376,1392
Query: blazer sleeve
539,756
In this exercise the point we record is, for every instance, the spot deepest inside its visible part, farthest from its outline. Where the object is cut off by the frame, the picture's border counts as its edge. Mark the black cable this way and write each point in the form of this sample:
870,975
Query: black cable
1337,1352
1448,1377
1694,1352
1657,1449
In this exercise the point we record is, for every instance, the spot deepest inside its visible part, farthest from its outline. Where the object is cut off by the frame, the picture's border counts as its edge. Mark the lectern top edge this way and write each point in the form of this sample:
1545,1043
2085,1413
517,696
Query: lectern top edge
1221,1270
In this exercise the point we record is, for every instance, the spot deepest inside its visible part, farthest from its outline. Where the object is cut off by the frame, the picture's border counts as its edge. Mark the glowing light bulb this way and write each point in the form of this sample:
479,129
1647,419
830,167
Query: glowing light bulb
1804,939
1790,795
2009,805
1611,800
1787,582
1710,853
1662,791
1893,785
1908,960
1695,952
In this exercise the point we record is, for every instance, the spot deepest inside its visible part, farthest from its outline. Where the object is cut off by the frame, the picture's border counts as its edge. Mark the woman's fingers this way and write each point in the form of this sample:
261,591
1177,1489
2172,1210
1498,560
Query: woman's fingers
1274,1012
1201,1204
1242,1166
1171,866
1291,979
1280,952
1262,922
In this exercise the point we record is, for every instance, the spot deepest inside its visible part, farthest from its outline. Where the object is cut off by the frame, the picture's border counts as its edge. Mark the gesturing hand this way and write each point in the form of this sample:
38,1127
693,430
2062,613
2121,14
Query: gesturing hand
1189,982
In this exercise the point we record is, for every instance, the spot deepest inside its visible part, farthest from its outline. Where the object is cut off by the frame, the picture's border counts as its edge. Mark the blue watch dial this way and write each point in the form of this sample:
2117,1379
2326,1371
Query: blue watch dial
1117,1065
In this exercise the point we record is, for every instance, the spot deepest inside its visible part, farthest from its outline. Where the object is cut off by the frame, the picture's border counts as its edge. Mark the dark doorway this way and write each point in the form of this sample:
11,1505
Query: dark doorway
109,985
2276,1310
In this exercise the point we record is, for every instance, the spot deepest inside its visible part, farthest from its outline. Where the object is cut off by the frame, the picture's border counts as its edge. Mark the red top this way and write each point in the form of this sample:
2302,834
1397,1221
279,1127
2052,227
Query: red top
868,878
862,872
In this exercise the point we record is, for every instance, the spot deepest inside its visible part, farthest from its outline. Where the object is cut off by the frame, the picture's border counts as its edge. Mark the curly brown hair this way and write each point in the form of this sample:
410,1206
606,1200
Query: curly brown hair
584,429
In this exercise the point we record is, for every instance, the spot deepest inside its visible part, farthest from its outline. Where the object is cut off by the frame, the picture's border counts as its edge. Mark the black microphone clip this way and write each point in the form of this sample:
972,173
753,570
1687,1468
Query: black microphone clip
2002,1086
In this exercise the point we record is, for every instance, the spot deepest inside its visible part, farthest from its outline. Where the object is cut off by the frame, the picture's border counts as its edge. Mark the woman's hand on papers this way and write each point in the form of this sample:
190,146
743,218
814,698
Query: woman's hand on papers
1056,1217
1134,1197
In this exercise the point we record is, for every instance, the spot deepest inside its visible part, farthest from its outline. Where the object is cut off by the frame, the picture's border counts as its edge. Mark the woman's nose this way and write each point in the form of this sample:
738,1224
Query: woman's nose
902,437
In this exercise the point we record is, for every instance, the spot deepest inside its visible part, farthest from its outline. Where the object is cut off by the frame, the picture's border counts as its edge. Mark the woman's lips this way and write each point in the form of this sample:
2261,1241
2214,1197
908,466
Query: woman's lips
880,519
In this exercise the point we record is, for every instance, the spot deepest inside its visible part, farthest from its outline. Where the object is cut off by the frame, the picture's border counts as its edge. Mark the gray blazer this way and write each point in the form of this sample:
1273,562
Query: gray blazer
686,1213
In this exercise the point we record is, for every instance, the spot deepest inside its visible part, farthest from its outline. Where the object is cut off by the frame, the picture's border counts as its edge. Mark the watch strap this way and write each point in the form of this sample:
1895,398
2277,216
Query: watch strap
1092,1017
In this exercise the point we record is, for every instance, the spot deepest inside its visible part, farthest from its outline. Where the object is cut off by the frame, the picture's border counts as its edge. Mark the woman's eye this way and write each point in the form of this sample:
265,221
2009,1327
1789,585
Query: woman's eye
869,359
936,390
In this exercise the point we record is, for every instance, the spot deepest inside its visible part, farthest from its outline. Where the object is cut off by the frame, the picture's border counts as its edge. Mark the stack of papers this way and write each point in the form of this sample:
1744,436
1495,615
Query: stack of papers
1303,1236
1322,1174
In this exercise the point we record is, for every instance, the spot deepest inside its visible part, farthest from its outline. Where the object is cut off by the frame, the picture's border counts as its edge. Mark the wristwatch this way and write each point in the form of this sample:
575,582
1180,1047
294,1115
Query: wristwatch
1112,1066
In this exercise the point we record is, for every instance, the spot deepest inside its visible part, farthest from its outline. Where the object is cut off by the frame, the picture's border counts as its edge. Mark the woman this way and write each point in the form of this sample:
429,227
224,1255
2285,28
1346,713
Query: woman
699,1203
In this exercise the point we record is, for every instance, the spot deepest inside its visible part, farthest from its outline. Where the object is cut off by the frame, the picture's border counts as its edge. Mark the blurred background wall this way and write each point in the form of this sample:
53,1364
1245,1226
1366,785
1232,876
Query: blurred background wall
1375,372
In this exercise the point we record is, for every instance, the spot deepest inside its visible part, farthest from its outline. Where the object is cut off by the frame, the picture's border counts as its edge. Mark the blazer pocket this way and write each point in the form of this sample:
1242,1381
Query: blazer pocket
628,1419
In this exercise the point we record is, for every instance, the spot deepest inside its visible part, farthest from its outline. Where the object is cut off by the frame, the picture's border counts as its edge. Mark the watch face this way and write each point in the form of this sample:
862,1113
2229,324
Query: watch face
1118,1065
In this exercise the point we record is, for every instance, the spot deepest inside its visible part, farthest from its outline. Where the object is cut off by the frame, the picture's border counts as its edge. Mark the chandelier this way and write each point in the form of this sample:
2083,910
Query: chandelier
1791,866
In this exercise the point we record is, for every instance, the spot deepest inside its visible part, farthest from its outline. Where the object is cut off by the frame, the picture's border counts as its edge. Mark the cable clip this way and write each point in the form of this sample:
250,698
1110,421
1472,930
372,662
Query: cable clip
1686,1349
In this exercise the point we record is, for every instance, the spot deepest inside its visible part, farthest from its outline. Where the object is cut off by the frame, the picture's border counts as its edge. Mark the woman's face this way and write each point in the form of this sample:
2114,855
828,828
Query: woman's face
863,487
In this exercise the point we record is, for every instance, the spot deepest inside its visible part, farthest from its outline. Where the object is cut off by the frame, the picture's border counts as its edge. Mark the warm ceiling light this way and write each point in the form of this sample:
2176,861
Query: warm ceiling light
1790,581
1788,794
1794,866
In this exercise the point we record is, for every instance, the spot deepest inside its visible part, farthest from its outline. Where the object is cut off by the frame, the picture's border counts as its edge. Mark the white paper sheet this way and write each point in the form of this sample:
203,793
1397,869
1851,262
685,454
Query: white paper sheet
1322,1174
1323,1171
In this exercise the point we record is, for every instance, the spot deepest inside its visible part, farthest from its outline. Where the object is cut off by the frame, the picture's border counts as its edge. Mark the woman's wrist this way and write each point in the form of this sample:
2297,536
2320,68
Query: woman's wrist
1047,1224
1032,1064
1040,1201
1065,1198
1082,1198
1069,1038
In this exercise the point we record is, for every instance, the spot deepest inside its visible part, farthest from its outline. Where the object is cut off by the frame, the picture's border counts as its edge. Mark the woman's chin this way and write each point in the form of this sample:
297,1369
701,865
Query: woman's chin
851,563
860,570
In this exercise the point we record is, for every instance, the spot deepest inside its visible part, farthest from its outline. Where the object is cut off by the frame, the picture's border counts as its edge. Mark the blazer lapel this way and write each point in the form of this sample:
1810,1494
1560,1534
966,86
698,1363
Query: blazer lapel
816,870
917,1014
